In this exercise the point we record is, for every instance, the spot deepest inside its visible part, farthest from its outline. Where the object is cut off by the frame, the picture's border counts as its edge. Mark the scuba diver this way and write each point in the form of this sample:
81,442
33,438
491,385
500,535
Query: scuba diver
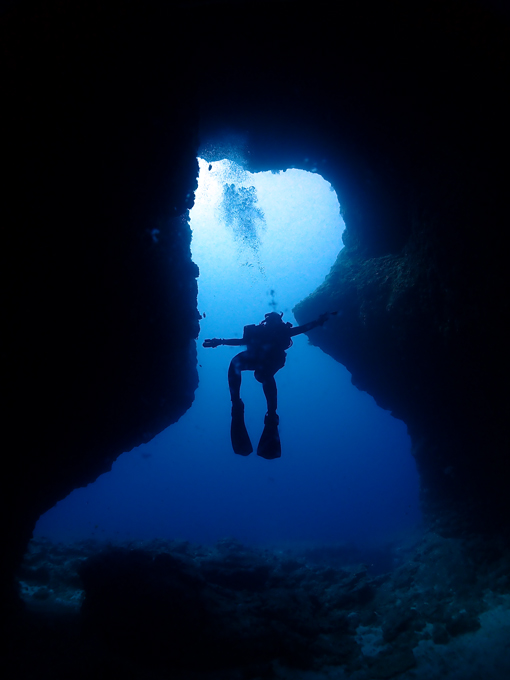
265,355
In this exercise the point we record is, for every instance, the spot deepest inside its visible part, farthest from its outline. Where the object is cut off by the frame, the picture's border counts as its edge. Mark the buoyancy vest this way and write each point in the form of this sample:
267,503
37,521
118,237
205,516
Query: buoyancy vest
267,339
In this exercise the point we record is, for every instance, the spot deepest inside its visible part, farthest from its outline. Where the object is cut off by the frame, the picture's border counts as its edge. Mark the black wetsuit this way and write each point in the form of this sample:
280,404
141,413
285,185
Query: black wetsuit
265,353
265,349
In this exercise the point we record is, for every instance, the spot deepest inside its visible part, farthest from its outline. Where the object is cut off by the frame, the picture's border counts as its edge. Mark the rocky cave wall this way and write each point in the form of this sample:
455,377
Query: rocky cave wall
99,172
401,108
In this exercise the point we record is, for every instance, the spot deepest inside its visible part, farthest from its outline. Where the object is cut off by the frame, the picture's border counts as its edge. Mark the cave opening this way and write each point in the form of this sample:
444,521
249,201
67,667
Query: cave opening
262,242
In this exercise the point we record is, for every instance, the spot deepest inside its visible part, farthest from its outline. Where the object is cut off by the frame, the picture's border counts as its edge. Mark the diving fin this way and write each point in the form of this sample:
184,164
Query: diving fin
269,445
238,433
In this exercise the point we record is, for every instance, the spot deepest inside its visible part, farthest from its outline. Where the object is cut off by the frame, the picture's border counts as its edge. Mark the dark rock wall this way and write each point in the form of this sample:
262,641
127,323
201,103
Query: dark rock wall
421,316
99,156
401,107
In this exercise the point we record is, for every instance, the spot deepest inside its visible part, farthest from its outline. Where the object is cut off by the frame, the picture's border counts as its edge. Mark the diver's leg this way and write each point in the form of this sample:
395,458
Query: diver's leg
239,435
265,374
271,393
234,378
241,362
269,445
269,387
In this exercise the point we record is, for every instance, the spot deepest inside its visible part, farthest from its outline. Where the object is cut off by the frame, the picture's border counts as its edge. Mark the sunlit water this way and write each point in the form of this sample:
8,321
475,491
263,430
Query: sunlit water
346,472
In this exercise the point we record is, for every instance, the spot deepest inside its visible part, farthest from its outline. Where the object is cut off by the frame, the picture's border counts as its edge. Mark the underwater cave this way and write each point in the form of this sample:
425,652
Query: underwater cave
105,115
262,242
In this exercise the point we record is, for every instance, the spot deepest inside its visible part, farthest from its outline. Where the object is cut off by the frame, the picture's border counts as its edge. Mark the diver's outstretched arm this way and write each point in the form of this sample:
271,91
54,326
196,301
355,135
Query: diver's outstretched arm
311,324
214,342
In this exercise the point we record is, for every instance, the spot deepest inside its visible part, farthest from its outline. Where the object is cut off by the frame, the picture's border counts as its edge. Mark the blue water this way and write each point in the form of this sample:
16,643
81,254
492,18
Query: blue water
346,472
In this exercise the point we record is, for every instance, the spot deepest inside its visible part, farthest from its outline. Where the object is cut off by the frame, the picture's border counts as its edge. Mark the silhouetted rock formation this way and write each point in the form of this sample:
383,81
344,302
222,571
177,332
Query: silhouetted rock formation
99,171
401,107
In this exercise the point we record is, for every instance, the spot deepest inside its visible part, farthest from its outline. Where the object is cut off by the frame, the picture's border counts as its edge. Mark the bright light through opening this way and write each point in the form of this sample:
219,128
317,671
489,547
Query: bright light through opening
262,248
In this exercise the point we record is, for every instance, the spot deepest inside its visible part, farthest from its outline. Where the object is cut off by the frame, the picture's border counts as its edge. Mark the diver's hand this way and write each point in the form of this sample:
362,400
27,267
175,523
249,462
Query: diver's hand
213,342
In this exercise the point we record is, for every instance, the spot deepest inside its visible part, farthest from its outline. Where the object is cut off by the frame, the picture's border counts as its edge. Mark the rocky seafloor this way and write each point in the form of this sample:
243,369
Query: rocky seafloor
435,607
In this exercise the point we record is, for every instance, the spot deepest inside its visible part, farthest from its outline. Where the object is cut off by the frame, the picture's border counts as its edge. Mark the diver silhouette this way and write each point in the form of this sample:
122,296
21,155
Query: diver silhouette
265,355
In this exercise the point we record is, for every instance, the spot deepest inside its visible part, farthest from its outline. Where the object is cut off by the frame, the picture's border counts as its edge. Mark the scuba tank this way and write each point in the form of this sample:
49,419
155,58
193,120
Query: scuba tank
266,337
